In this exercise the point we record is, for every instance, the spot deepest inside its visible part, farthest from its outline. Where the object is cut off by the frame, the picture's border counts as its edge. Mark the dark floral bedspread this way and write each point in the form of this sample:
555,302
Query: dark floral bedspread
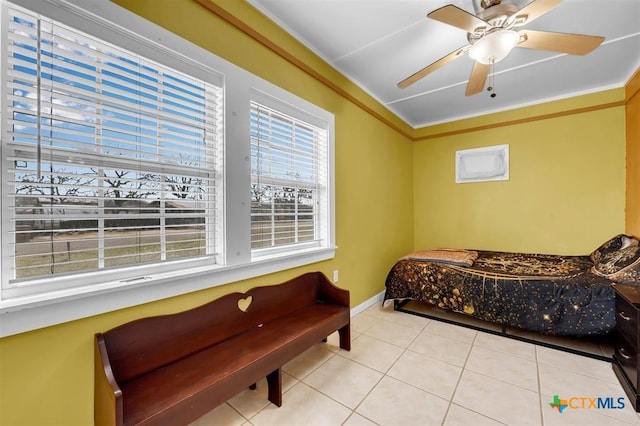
544,293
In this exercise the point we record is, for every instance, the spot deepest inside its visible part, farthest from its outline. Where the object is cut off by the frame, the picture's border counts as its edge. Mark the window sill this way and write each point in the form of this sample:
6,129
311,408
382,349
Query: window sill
22,314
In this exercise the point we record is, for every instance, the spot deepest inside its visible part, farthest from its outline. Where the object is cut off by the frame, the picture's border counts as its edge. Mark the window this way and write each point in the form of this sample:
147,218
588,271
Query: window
288,180
113,159
128,172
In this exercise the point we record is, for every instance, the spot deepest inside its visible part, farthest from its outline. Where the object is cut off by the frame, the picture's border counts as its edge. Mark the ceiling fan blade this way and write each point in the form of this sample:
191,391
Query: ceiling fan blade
573,44
457,17
478,78
536,9
431,68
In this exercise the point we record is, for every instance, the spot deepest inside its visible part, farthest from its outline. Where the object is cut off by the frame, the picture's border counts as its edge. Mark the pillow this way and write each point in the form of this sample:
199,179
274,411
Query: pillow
443,255
619,242
622,266
629,241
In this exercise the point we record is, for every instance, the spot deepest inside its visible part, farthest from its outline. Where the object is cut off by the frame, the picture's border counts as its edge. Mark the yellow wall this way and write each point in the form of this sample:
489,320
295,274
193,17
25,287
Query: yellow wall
565,193
632,93
46,376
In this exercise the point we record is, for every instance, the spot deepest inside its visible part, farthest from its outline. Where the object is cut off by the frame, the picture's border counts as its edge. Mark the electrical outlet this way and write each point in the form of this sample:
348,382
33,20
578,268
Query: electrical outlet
335,276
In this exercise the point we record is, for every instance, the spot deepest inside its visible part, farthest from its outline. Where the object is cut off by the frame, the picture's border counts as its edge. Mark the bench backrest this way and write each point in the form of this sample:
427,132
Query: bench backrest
143,345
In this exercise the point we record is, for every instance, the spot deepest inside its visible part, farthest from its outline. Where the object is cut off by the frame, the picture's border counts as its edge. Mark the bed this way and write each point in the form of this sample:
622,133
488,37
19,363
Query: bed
552,294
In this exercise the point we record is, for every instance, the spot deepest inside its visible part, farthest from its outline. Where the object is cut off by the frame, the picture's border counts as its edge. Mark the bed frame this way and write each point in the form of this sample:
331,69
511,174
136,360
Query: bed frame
455,318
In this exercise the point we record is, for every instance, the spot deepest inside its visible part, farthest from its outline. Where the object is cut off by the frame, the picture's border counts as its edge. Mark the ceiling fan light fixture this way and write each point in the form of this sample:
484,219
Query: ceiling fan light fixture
494,46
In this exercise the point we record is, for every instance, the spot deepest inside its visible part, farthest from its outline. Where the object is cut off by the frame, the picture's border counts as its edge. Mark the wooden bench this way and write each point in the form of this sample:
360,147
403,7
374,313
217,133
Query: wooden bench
173,369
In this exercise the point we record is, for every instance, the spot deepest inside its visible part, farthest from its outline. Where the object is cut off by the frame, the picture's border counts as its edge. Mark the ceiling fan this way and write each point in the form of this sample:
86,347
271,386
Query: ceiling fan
494,32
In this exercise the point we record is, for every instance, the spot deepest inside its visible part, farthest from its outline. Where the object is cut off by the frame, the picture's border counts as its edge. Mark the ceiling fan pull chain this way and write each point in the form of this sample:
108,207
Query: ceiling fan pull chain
492,84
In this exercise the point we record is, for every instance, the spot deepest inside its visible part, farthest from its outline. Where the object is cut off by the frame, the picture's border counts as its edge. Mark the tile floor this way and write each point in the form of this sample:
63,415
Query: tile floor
408,370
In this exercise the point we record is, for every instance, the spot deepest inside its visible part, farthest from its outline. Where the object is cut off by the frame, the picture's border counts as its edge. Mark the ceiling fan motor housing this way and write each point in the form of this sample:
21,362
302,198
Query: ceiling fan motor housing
486,4
498,16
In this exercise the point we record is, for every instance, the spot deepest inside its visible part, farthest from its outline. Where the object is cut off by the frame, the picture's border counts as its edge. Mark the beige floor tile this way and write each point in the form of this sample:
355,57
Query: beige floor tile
306,362
222,415
504,344
362,322
510,369
568,384
498,400
249,402
303,405
343,380
456,317
378,311
630,417
452,331
288,381
394,403
554,380
428,374
407,320
460,416
580,364
373,353
357,420
333,342
442,348
407,370
577,417
390,332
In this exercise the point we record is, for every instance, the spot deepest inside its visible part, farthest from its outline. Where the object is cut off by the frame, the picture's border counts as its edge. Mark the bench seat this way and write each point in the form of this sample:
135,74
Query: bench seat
255,353
172,369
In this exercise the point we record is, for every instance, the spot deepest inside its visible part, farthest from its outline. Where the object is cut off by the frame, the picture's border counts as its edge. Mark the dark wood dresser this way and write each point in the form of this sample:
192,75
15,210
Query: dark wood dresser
625,357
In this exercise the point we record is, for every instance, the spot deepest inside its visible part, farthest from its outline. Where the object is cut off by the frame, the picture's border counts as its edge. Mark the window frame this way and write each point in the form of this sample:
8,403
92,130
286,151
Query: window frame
16,287
105,20
321,174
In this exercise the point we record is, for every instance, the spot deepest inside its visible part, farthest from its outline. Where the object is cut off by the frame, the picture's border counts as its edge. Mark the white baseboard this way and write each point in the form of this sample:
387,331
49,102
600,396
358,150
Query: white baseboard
364,305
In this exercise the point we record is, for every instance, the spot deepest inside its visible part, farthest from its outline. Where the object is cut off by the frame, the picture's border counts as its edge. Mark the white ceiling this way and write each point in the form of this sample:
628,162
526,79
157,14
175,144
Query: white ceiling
377,43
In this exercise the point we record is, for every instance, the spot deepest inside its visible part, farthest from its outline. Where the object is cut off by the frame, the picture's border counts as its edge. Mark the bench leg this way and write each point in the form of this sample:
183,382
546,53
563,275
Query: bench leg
274,381
345,337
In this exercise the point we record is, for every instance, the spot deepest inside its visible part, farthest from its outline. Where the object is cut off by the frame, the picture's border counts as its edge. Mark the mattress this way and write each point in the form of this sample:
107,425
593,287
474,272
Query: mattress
543,293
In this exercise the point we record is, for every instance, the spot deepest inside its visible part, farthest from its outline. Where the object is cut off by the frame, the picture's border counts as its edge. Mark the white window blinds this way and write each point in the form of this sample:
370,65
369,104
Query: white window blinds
113,159
288,179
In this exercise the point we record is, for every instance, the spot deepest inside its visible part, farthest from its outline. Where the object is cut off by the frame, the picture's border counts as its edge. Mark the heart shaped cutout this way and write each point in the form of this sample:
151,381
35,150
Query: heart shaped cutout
243,304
